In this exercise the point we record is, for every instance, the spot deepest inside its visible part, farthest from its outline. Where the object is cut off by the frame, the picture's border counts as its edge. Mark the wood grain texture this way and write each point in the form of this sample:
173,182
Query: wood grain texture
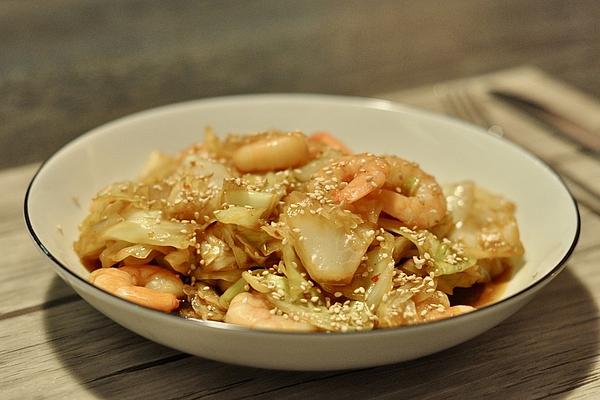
68,66
78,352
20,252
54,345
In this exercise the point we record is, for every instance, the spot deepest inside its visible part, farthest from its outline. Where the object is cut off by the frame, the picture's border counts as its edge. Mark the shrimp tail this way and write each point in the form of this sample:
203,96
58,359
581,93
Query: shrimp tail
165,302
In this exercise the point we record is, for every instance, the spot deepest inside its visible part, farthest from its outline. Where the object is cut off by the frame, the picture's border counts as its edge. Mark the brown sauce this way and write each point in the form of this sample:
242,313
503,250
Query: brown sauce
482,294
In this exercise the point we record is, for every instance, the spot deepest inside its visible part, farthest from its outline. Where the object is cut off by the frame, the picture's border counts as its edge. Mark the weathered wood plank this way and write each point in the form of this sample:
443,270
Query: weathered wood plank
584,170
590,229
25,274
548,347
80,353
50,353
25,271
584,197
14,183
59,77
56,346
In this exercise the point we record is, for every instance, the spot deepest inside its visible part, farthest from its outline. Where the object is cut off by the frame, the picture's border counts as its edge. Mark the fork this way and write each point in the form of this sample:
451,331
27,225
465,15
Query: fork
461,104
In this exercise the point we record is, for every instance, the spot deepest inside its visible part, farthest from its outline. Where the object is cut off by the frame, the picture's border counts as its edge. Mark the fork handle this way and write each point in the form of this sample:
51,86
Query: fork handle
585,137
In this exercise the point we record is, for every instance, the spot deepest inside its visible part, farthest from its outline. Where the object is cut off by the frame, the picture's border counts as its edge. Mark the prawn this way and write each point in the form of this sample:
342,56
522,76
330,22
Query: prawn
396,310
272,152
253,311
146,285
448,312
363,174
437,306
421,202
331,141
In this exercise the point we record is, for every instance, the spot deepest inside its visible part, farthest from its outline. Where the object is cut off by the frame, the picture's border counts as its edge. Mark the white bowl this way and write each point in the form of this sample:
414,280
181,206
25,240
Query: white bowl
449,149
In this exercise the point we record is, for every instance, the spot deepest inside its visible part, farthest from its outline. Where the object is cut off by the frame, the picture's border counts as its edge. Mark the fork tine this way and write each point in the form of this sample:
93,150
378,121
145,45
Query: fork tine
453,107
457,107
461,104
466,107
477,111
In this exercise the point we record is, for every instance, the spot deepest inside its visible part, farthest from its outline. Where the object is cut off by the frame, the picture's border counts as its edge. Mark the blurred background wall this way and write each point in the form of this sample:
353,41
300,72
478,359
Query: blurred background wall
67,66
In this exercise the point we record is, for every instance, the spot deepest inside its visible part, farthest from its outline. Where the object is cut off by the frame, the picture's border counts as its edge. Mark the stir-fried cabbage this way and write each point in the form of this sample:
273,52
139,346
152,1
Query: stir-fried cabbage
287,242
329,242
373,278
117,251
147,227
484,223
205,303
440,257
122,225
349,316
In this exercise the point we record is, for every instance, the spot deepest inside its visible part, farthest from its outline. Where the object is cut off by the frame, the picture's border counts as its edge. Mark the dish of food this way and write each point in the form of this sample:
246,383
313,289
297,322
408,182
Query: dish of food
284,231
58,200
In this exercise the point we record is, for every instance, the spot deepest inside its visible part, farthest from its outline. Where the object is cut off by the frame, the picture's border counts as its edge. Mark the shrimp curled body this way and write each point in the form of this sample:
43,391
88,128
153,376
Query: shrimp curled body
146,285
363,174
331,141
422,205
253,311
449,312
271,153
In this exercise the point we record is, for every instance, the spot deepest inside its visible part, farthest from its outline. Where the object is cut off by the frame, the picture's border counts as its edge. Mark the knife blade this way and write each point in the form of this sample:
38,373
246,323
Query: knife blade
552,119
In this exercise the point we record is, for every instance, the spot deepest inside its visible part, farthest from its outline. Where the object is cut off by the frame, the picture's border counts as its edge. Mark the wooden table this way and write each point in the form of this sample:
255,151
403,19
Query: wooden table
54,345
67,66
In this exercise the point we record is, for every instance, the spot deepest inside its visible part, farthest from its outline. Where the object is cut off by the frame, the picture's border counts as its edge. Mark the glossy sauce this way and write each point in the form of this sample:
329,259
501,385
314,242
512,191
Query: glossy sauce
483,294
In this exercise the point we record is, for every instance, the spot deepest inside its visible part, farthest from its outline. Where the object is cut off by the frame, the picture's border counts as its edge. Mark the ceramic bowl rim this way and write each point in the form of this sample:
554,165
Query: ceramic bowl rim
347,100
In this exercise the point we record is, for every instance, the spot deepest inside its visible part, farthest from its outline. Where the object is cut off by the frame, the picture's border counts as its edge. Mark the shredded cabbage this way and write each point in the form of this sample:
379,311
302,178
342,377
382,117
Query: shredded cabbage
292,239
148,227
334,260
440,257
484,223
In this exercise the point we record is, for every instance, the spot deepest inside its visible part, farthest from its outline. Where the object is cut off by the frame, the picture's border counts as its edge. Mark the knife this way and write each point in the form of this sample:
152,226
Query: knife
559,124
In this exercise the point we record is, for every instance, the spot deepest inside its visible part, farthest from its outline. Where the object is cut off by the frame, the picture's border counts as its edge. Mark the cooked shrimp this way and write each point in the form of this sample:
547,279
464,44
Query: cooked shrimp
458,310
331,141
363,174
253,311
147,285
272,152
421,204
452,311
397,310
